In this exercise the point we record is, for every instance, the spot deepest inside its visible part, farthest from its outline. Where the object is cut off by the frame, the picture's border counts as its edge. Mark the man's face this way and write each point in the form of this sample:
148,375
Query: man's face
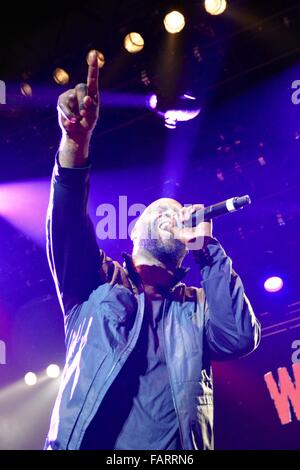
152,231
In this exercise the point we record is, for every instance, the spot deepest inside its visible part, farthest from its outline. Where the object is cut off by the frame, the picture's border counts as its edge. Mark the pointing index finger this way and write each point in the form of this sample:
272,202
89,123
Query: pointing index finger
92,77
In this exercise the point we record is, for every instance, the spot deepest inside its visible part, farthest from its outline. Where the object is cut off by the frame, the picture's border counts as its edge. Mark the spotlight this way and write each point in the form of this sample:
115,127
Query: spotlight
133,42
273,284
100,58
60,76
183,108
215,7
53,371
26,89
30,379
152,101
174,22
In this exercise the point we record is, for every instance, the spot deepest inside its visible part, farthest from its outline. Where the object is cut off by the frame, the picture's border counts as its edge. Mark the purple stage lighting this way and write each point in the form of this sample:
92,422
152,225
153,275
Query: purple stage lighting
172,116
174,110
24,205
273,284
152,101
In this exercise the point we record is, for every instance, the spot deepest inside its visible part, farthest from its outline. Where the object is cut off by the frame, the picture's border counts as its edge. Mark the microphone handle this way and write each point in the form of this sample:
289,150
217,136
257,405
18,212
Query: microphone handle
222,208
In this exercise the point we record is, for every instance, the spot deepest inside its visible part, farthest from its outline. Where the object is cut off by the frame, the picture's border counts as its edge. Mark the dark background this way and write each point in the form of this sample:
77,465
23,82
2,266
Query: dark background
241,66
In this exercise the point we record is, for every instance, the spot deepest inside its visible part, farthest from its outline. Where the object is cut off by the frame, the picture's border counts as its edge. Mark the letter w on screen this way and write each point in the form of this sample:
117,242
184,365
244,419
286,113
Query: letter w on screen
286,393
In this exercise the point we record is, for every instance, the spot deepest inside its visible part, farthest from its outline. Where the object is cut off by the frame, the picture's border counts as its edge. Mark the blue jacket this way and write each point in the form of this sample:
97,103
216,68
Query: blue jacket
103,311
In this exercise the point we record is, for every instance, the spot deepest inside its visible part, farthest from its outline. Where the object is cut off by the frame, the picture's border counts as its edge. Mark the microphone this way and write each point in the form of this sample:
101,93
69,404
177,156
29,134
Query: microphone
222,208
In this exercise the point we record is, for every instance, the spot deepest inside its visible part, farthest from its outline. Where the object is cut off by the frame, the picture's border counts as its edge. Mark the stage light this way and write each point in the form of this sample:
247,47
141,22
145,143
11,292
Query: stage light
273,284
152,101
133,42
174,22
30,379
53,371
26,89
182,108
60,76
100,58
215,7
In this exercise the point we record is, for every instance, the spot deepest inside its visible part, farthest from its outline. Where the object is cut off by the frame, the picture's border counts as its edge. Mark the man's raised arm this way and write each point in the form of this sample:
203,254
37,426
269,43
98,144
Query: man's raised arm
78,111
232,330
73,252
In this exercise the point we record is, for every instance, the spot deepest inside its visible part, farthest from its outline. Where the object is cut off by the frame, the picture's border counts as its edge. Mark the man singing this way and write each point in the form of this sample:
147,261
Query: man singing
139,342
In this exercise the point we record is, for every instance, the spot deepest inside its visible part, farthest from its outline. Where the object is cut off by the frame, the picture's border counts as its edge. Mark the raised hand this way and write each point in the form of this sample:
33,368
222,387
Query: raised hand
78,108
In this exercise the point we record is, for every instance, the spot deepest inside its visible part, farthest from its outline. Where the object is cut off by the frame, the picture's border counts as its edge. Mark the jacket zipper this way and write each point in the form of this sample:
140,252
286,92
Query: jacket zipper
169,374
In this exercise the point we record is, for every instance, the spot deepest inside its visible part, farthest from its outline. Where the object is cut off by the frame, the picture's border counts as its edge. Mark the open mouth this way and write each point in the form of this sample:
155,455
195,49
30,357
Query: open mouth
165,225
168,221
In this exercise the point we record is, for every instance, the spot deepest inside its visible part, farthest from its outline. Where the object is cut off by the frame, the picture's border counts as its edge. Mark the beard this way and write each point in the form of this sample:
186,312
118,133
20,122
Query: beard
169,251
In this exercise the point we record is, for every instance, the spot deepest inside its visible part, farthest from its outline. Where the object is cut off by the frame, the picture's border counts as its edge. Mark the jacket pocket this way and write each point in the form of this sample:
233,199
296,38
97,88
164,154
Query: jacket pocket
192,331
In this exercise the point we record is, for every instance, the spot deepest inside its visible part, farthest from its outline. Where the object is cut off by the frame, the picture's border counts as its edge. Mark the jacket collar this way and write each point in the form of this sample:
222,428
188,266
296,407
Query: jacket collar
136,279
